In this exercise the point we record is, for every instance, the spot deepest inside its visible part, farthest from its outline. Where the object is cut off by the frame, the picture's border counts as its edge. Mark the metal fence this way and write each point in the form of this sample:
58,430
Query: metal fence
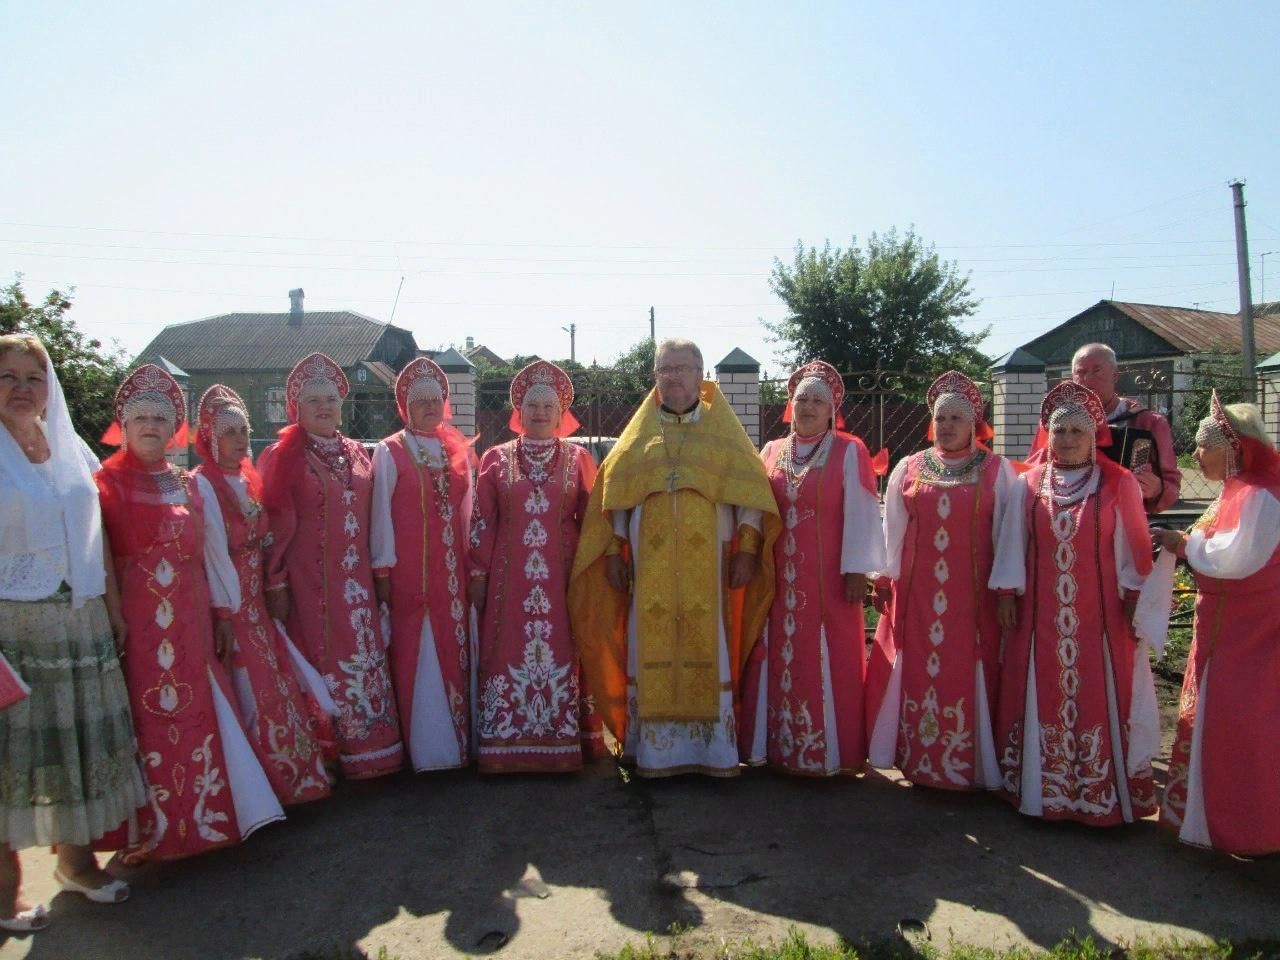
364,418
604,401
886,409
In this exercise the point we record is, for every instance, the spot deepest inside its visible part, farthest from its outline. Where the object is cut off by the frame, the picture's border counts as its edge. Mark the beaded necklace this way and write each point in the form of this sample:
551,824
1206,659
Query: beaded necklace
1065,499
935,471
332,453
435,465
536,459
796,466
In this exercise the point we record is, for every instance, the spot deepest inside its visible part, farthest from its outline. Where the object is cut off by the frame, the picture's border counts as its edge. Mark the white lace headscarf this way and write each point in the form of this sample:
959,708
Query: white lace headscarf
72,466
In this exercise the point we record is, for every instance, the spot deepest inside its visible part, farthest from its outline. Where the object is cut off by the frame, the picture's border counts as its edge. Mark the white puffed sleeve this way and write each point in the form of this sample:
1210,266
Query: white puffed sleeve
862,546
1009,571
896,520
1242,552
224,582
1127,575
382,532
1006,479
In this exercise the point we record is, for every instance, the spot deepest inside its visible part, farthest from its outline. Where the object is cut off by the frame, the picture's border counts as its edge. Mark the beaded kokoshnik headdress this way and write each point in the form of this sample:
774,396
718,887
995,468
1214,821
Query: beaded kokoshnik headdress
543,377
421,377
1217,431
149,390
220,409
313,369
820,372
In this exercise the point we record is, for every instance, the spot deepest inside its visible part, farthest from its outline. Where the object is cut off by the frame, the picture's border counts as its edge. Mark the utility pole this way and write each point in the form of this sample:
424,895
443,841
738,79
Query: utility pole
652,338
572,331
1246,298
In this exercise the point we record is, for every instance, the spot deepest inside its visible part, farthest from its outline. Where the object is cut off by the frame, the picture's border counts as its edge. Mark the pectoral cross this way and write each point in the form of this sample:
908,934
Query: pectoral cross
673,460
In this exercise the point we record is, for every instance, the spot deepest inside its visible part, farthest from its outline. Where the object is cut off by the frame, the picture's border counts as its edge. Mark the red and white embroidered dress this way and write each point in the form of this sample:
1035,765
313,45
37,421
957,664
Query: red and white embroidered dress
273,706
205,786
934,671
421,513
531,499
1077,724
805,680
318,491
1223,789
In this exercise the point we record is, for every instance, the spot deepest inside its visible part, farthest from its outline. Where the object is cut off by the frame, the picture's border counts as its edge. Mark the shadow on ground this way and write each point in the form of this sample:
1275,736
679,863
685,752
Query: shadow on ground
555,867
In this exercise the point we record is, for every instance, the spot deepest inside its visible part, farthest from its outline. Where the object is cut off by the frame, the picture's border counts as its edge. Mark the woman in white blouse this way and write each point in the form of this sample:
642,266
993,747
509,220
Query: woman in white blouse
1077,725
933,677
68,769
803,686
1223,789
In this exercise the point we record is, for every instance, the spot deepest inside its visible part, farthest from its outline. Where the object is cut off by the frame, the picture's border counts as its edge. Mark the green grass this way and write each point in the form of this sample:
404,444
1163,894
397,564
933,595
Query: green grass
797,947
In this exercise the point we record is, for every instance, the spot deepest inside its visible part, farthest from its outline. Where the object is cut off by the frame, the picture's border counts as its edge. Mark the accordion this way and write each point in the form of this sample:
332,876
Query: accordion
1132,447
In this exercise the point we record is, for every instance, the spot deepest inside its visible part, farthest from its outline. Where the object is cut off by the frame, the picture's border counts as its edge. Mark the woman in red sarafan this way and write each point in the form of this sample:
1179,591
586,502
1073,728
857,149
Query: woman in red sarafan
205,786
1077,723
1224,776
934,673
286,729
532,713
422,483
318,486
803,686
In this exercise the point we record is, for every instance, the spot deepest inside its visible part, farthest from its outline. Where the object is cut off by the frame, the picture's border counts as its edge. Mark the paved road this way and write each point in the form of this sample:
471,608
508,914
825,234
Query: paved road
444,865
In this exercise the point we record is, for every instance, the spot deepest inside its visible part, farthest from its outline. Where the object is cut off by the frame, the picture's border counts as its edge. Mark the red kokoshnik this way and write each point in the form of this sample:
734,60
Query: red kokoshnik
543,372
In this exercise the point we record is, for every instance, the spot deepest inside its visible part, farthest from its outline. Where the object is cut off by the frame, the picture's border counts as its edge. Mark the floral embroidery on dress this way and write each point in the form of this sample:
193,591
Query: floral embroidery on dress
796,737
208,783
362,695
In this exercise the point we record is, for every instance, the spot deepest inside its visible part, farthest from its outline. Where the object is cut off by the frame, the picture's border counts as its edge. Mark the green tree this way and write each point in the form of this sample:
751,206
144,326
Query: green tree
894,306
89,373
1223,372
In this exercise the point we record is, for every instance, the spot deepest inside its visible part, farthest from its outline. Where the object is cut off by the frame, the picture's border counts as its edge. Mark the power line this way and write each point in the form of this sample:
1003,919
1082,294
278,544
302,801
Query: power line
581,245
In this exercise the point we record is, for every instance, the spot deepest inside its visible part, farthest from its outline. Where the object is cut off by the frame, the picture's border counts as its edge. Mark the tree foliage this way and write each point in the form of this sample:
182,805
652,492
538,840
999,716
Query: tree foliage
893,306
1223,372
89,373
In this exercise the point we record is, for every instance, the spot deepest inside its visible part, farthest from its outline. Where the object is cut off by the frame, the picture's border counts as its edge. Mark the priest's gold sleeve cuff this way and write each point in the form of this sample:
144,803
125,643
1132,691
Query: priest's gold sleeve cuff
614,549
749,539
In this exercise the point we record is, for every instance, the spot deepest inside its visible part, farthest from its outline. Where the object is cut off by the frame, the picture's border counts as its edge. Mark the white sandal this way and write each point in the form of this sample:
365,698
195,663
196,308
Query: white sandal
26,921
107,893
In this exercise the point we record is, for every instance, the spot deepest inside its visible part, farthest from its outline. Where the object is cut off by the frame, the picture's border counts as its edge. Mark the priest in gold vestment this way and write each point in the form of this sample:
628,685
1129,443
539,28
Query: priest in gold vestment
673,575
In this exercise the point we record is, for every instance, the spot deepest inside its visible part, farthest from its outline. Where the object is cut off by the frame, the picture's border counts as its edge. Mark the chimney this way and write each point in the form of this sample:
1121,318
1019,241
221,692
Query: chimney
471,343
295,307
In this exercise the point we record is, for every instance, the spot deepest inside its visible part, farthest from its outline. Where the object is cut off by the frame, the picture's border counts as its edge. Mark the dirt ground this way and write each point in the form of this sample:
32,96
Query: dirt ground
450,864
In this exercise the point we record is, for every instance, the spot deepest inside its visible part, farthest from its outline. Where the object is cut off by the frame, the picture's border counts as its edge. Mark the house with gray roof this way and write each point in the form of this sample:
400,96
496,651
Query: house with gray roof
1148,336
253,353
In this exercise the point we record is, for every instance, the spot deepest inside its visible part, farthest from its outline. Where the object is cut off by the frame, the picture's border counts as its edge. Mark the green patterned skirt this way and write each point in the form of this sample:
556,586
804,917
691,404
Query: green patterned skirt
68,757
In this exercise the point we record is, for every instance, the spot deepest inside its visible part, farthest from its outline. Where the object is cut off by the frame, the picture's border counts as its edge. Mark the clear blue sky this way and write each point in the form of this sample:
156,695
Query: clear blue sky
527,166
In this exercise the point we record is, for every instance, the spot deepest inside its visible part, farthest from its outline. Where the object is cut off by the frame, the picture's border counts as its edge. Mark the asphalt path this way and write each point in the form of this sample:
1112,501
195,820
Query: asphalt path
443,865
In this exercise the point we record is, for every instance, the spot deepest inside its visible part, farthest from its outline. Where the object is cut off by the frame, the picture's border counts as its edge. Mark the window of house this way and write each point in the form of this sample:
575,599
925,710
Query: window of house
275,405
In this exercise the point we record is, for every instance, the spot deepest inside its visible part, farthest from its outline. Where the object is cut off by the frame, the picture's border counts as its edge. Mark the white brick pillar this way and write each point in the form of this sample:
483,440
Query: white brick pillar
1269,394
1018,387
738,375
462,389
